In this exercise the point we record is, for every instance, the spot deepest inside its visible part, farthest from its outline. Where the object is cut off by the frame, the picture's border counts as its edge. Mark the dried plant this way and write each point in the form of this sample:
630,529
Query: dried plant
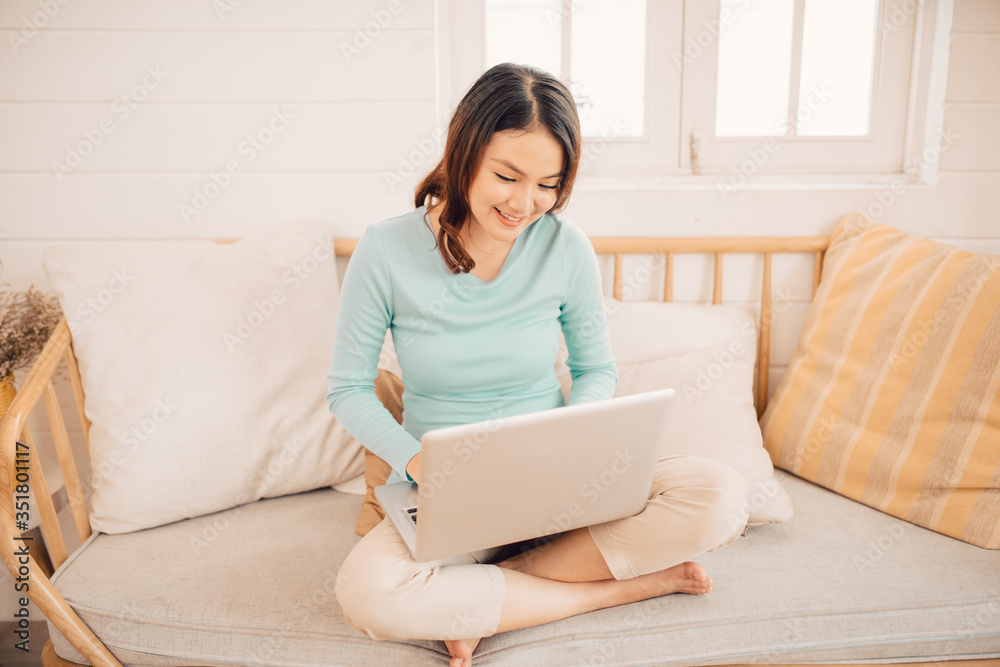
27,319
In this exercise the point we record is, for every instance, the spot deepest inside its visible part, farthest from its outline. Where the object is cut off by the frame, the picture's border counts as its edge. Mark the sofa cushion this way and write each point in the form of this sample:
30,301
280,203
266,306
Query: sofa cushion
202,365
893,395
707,354
254,586
647,330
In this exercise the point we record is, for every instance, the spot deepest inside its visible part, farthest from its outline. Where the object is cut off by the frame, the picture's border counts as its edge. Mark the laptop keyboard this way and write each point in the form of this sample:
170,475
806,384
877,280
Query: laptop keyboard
412,513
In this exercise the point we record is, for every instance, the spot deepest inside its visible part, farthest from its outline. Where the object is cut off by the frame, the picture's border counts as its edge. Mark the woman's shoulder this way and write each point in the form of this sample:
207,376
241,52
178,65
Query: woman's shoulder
400,232
566,233
401,224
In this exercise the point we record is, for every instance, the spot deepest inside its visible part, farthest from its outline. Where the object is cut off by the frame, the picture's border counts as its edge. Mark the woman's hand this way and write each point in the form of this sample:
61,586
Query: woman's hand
413,468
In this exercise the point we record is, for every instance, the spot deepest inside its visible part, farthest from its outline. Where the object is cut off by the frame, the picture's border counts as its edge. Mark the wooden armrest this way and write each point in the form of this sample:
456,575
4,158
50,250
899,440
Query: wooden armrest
20,468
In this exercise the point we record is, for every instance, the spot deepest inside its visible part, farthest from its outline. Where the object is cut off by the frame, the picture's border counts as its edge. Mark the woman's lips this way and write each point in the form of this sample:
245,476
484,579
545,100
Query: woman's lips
509,223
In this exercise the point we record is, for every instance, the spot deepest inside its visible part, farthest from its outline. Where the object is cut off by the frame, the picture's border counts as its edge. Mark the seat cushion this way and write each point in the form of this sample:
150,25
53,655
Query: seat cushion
254,586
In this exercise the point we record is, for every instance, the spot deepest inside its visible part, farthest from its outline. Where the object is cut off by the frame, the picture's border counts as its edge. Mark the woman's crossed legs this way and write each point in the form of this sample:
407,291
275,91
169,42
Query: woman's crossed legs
695,505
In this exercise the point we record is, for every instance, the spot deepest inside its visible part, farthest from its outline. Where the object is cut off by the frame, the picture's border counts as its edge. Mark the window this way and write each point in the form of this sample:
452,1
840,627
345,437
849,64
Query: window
761,96
711,91
609,84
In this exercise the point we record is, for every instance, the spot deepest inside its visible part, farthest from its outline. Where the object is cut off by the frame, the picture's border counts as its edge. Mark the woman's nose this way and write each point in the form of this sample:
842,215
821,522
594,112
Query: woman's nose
521,201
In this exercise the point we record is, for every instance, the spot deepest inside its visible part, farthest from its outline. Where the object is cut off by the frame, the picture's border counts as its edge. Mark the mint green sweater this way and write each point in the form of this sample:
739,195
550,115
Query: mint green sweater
469,349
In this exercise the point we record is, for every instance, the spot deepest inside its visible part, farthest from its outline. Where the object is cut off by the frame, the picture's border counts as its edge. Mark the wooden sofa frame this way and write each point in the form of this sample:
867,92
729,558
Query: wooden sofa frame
38,384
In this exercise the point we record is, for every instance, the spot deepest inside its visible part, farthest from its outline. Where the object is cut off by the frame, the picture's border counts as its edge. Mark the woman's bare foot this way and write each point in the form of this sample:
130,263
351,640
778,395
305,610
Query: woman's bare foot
688,577
461,651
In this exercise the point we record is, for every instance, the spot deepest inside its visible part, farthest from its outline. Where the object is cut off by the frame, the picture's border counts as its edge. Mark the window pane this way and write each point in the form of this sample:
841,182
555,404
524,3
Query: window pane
835,85
527,32
755,50
608,51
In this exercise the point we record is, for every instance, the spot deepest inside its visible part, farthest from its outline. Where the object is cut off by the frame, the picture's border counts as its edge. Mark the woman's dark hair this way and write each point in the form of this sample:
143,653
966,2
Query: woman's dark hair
505,97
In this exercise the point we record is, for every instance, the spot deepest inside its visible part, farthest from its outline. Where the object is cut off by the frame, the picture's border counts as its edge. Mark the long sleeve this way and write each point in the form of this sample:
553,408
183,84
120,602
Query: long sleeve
591,363
364,314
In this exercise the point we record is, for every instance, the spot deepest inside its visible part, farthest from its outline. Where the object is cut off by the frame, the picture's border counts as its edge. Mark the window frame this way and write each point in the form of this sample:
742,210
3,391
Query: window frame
738,158
661,159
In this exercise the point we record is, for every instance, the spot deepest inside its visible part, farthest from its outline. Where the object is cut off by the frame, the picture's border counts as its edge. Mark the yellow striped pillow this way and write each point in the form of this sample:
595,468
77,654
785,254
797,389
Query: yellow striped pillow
892,395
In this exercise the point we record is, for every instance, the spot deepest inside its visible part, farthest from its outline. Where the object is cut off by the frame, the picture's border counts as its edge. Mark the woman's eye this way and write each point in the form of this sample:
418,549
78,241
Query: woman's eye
548,187
504,178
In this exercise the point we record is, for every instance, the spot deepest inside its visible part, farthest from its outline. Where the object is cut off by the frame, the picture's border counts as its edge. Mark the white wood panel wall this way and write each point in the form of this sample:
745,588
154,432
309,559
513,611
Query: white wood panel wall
363,132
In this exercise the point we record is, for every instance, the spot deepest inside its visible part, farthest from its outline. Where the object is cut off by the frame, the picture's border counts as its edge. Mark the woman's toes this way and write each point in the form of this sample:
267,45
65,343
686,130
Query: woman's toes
697,587
694,571
461,651
688,577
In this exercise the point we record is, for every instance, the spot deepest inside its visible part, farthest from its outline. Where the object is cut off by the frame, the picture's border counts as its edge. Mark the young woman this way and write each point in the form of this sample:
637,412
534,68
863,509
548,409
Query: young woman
476,284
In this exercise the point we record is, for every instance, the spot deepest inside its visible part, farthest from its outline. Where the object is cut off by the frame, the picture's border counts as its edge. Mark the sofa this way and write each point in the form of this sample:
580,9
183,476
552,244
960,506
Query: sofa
185,561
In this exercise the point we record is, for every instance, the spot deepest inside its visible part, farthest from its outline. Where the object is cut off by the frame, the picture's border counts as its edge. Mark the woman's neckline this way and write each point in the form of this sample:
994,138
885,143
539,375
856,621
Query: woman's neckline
428,225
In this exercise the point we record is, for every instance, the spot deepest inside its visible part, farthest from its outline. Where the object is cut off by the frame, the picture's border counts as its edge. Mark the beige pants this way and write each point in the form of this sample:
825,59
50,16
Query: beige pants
695,505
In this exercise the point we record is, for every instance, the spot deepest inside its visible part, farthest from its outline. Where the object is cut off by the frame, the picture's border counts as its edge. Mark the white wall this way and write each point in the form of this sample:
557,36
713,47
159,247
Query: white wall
359,133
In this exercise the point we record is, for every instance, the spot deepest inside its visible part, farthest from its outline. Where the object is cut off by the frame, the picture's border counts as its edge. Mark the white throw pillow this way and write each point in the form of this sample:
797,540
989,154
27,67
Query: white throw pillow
705,353
646,330
203,367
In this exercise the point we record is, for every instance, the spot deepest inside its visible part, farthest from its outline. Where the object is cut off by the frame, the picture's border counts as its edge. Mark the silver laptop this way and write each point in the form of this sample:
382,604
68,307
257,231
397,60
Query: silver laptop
511,479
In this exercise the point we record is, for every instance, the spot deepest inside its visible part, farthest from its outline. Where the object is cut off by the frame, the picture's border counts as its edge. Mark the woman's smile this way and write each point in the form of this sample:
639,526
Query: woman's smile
508,220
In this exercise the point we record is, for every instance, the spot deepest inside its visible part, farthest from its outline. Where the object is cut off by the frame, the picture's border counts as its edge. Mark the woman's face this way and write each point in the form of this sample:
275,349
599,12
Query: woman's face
516,183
